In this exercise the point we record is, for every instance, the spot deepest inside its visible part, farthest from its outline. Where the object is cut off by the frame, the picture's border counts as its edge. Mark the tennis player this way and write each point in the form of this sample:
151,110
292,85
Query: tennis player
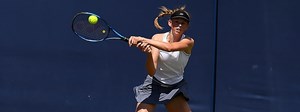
167,56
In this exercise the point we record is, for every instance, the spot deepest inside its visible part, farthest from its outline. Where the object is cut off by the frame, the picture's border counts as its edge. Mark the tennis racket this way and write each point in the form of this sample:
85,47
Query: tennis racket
95,31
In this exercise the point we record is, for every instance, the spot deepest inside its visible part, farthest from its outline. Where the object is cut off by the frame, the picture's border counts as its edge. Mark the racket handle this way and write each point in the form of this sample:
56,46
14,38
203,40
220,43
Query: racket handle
125,39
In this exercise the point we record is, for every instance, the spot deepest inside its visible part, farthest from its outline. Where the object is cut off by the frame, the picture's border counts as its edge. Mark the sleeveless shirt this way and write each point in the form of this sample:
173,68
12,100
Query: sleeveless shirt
171,65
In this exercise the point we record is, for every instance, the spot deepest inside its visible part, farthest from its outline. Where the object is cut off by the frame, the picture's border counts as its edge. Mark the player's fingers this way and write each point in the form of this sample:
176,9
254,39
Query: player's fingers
133,40
142,44
136,40
138,44
145,44
145,47
130,41
148,48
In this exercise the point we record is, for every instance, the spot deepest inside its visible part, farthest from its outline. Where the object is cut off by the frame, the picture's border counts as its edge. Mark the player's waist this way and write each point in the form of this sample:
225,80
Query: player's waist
167,79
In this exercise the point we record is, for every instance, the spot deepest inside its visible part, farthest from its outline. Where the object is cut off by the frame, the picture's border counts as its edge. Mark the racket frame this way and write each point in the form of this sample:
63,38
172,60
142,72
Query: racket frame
118,37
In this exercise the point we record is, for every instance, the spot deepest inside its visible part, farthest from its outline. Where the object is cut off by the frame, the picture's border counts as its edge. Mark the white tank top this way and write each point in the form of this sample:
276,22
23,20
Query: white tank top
171,65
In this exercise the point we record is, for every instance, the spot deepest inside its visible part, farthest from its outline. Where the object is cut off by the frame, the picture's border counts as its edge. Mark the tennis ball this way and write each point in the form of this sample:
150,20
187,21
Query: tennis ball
93,19
103,31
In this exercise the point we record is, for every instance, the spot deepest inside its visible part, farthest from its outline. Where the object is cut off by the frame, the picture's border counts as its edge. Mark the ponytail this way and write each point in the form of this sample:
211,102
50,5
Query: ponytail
165,11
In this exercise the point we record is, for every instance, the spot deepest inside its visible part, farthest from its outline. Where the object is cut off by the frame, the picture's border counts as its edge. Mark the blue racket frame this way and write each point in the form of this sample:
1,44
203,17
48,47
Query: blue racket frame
118,37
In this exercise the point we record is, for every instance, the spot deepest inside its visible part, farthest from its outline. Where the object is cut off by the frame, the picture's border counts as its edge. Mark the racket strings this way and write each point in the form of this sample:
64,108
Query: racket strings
88,31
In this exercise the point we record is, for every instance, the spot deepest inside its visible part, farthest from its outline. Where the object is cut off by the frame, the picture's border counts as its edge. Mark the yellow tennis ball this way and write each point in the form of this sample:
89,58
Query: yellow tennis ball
93,19
103,31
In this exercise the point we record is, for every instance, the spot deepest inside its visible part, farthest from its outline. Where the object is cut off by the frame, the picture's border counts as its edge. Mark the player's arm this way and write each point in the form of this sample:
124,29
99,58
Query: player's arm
152,57
185,44
151,52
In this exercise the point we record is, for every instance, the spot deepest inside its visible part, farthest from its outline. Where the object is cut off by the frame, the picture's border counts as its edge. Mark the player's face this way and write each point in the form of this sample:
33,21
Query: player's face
178,26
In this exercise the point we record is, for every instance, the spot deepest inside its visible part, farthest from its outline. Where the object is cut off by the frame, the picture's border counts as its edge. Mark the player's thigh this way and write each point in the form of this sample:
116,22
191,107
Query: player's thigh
142,107
178,104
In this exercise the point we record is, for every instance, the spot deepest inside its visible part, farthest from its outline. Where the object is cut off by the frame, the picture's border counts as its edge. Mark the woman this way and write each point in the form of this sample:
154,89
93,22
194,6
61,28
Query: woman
167,55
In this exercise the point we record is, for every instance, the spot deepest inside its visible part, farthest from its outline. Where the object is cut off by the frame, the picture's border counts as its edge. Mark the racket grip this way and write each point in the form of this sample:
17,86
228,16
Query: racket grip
125,39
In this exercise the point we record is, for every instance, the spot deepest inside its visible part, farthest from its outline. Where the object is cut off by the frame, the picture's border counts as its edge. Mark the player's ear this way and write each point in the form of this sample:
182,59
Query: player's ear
170,22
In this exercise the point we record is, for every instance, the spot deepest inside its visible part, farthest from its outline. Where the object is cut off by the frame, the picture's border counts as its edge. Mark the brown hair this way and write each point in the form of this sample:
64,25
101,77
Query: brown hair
165,11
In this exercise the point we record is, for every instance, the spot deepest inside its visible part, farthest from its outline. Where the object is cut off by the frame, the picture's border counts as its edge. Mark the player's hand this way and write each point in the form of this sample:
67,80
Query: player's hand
134,40
145,47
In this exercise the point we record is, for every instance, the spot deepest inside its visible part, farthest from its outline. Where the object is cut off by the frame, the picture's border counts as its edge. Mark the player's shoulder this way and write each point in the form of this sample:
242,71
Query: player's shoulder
158,36
188,38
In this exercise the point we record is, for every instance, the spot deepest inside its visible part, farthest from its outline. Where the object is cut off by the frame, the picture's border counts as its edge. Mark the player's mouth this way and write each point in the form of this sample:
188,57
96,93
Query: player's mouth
178,30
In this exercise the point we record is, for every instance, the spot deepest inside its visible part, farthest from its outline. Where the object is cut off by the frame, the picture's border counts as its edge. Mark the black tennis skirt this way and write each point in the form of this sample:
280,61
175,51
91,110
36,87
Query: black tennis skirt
152,91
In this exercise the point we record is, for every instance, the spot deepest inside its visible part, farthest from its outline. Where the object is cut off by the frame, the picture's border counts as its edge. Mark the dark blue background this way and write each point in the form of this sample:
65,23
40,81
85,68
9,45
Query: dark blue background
245,58
258,56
